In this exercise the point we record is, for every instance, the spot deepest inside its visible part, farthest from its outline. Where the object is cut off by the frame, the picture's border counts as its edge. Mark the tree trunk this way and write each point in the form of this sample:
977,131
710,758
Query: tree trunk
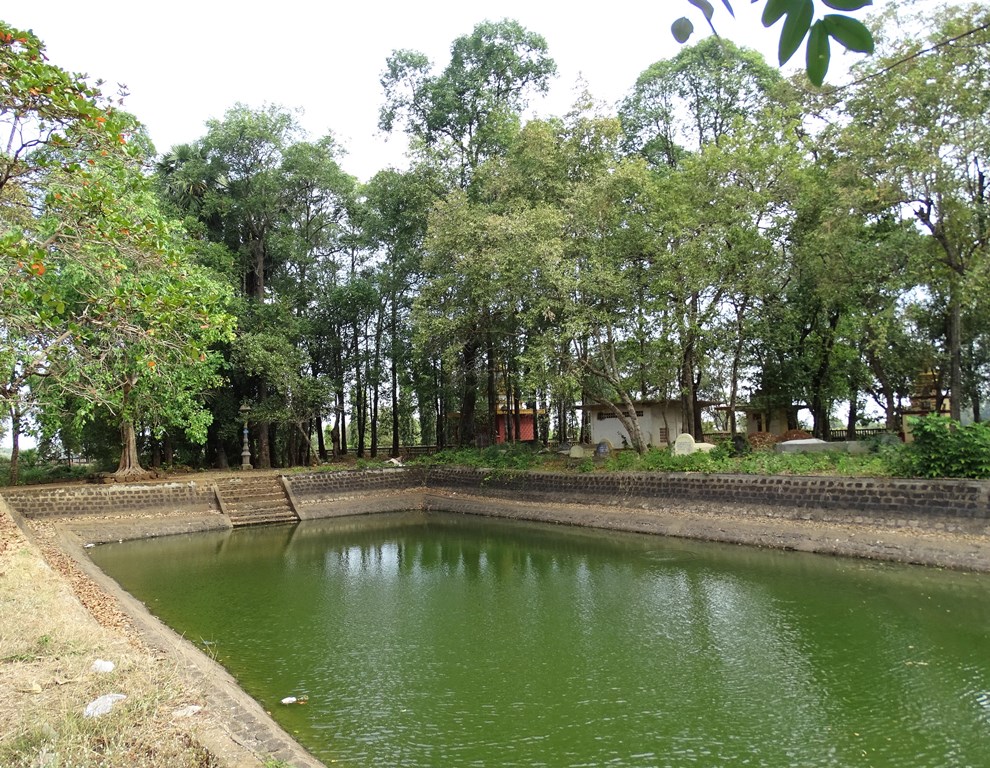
820,406
340,422
15,442
687,388
321,441
515,412
736,364
469,396
374,422
492,390
264,460
891,421
699,427
394,381
853,413
955,350
130,465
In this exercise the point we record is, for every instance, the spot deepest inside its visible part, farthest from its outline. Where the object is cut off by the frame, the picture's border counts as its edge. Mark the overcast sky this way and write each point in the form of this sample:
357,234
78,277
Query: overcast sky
185,62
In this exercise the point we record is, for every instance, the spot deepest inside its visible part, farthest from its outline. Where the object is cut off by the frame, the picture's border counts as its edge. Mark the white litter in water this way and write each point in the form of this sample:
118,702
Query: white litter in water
102,705
102,666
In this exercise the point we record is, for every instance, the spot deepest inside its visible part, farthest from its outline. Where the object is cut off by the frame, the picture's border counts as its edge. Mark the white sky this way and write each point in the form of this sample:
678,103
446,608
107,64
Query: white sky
185,62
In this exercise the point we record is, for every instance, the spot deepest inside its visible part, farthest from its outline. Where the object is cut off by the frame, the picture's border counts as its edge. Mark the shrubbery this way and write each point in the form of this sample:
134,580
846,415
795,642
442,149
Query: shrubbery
505,456
720,460
945,448
32,469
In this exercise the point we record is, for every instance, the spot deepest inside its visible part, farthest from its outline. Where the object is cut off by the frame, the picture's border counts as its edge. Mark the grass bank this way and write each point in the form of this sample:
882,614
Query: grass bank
48,645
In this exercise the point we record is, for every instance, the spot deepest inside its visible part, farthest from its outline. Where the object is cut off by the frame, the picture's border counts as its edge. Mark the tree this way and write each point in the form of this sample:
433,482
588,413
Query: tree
280,205
395,219
100,293
462,117
469,111
706,92
717,124
920,132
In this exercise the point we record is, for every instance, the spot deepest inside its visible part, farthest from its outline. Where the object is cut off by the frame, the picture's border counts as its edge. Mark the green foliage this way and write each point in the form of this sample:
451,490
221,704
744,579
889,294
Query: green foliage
944,448
718,460
799,23
100,297
498,457
623,461
469,111
586,465
33,471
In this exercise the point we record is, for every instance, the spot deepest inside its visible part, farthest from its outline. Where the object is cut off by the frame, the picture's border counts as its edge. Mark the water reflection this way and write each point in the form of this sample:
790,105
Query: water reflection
428,639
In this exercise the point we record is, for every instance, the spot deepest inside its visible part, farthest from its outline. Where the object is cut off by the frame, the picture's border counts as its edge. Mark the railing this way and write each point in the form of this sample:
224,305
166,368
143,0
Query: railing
408,451
862,433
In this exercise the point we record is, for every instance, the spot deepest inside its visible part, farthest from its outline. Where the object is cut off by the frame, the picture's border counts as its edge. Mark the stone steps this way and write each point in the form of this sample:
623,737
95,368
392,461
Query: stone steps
255,500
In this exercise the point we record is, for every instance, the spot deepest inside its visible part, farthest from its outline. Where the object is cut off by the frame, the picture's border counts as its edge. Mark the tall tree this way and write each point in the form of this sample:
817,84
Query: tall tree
469,111
919,130
101,298
461,117
396,209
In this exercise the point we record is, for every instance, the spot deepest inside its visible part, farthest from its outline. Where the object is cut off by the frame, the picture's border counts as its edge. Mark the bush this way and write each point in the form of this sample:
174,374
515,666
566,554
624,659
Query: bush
623,461
504,456
944,448
33,471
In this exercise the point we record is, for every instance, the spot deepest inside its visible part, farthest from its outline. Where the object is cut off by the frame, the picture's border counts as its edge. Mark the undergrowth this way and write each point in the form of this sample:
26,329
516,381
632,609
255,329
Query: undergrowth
718,461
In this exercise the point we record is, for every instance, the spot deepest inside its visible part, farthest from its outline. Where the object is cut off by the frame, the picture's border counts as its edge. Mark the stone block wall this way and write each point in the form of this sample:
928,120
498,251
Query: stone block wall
823,498
318,485
88,500
958,505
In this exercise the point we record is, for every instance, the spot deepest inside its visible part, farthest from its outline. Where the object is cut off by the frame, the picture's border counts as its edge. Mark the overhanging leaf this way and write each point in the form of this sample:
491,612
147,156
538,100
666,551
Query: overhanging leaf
847,5
728,7
851,33
774,9
682,29
796,26
818,53
705,7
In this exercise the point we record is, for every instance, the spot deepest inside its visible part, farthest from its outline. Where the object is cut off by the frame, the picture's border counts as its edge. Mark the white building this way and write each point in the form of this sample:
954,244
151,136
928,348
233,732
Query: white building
659,423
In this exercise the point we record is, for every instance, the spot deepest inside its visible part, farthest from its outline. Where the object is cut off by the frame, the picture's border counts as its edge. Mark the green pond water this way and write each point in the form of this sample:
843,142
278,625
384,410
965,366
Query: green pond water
443,640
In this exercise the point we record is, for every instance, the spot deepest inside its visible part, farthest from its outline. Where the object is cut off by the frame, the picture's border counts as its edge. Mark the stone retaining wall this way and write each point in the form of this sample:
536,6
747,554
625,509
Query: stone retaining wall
954,505
333,494
939,504
85,500
311,487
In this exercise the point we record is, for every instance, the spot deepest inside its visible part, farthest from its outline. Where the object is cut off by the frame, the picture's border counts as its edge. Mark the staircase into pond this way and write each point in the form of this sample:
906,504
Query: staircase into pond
255,500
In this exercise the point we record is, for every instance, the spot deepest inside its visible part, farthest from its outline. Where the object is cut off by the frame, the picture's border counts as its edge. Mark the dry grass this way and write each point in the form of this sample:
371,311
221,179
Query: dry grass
48,643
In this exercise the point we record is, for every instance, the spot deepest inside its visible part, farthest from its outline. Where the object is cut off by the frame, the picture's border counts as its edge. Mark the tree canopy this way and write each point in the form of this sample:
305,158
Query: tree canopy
725,242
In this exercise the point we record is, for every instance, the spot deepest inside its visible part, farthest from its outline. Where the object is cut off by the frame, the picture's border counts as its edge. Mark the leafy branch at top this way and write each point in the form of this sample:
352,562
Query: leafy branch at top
799,24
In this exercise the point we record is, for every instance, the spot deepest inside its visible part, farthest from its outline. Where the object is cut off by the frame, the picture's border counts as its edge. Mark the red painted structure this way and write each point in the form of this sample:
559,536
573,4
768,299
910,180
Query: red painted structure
526,429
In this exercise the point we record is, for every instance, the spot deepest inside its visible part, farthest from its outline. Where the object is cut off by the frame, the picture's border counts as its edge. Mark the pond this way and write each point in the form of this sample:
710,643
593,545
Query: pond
428,639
